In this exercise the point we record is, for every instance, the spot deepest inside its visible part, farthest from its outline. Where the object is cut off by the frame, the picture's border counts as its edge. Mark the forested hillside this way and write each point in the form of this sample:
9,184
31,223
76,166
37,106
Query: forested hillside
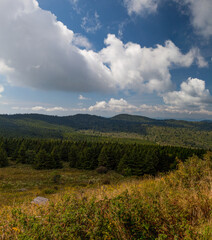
89,127
127,159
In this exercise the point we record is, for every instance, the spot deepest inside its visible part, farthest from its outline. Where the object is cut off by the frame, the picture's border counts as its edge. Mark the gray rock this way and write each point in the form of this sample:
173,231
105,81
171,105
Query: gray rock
40,201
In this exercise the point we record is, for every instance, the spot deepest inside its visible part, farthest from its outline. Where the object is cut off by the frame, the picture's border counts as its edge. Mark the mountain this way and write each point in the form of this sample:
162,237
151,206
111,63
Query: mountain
170,131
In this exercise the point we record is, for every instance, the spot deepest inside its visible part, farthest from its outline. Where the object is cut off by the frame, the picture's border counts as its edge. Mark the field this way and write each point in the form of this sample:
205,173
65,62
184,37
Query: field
20,182
87,205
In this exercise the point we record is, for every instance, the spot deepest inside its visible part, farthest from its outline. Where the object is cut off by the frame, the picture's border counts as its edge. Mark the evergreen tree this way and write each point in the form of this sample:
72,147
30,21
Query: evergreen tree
123,167
3,158
22,153
55,156
43,160
103,158
73,156
30,156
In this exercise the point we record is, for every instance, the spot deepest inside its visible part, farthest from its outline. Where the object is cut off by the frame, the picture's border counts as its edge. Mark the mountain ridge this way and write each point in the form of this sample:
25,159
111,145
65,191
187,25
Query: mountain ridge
168,131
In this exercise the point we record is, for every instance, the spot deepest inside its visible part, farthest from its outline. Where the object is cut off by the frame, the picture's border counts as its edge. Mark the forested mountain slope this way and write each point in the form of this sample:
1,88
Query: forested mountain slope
174,132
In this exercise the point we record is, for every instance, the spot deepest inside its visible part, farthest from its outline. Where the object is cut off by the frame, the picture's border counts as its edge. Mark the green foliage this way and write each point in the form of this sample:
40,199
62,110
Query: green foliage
174,206
73,156
119,128
22,153
43,160
3,158
56,158
148,209
128,159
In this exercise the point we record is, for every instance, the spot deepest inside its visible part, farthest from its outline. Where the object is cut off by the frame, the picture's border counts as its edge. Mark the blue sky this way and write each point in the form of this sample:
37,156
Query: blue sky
105,57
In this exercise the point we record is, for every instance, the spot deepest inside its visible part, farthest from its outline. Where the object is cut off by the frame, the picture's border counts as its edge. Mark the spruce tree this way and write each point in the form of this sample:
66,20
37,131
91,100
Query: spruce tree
3,158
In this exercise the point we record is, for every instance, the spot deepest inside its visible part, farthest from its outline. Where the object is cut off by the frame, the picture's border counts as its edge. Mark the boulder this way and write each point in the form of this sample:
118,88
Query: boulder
40,201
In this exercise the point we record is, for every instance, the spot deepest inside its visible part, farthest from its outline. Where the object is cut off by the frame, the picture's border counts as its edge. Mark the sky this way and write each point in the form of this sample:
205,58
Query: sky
106,57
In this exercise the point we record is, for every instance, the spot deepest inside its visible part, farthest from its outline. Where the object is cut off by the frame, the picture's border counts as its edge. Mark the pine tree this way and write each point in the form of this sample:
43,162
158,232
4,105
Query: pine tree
22,153
73,156
3,158
55,156
43,160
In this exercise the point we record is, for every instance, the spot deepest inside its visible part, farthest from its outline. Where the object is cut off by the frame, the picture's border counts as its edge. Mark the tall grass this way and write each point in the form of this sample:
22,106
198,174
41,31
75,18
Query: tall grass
173,206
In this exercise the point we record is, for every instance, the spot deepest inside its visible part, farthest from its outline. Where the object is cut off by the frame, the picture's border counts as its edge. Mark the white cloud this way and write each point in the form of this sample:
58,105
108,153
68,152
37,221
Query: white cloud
41,108
1,90
201,15
141,6
113,105
192,94
122,106
91,23
38,51
158,109
52,109
33,37
200,11
81,41
38,108
81,97
145,69
4,68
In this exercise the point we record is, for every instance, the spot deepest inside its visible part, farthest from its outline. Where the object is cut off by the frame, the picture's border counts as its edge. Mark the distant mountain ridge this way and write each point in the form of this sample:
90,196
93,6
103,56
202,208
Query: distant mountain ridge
159,131
87,121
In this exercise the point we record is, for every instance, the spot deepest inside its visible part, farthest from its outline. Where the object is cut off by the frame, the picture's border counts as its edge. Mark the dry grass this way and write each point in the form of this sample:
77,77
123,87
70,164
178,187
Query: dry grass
174,206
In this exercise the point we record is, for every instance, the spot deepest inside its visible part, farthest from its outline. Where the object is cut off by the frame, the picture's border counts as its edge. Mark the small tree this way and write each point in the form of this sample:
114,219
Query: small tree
55,157
3,158
22,154
43,160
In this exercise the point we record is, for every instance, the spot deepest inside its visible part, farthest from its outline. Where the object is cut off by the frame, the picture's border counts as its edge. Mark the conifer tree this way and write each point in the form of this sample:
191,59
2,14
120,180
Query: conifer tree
43,160
3,158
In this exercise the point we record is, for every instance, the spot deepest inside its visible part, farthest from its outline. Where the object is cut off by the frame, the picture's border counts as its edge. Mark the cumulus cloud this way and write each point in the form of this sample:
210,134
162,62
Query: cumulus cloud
122,106
39,51
141,6
158,109
200,11
113,105
145,69
200,15
192,94
81,41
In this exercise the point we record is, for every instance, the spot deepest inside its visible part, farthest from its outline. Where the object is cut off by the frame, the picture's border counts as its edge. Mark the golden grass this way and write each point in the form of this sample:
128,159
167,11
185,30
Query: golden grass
177,205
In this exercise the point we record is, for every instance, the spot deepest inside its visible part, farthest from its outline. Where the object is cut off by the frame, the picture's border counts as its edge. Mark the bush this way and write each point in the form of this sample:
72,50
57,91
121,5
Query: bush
49,191
102,170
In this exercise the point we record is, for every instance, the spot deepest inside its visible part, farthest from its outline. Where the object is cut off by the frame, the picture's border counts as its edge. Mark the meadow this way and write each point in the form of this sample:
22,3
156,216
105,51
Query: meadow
87,205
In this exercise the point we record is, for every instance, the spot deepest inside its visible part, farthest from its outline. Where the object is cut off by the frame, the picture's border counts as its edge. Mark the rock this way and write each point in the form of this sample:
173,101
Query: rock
40,201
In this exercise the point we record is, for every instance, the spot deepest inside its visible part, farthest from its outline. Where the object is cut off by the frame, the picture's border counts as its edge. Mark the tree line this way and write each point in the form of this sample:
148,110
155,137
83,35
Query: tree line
127,159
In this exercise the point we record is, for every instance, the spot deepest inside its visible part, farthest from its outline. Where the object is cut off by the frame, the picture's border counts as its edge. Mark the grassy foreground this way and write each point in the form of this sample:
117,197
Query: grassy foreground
82,206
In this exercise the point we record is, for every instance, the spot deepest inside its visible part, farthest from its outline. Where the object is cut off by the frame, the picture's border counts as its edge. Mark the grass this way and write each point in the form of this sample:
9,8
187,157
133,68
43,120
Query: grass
177,205
20,182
